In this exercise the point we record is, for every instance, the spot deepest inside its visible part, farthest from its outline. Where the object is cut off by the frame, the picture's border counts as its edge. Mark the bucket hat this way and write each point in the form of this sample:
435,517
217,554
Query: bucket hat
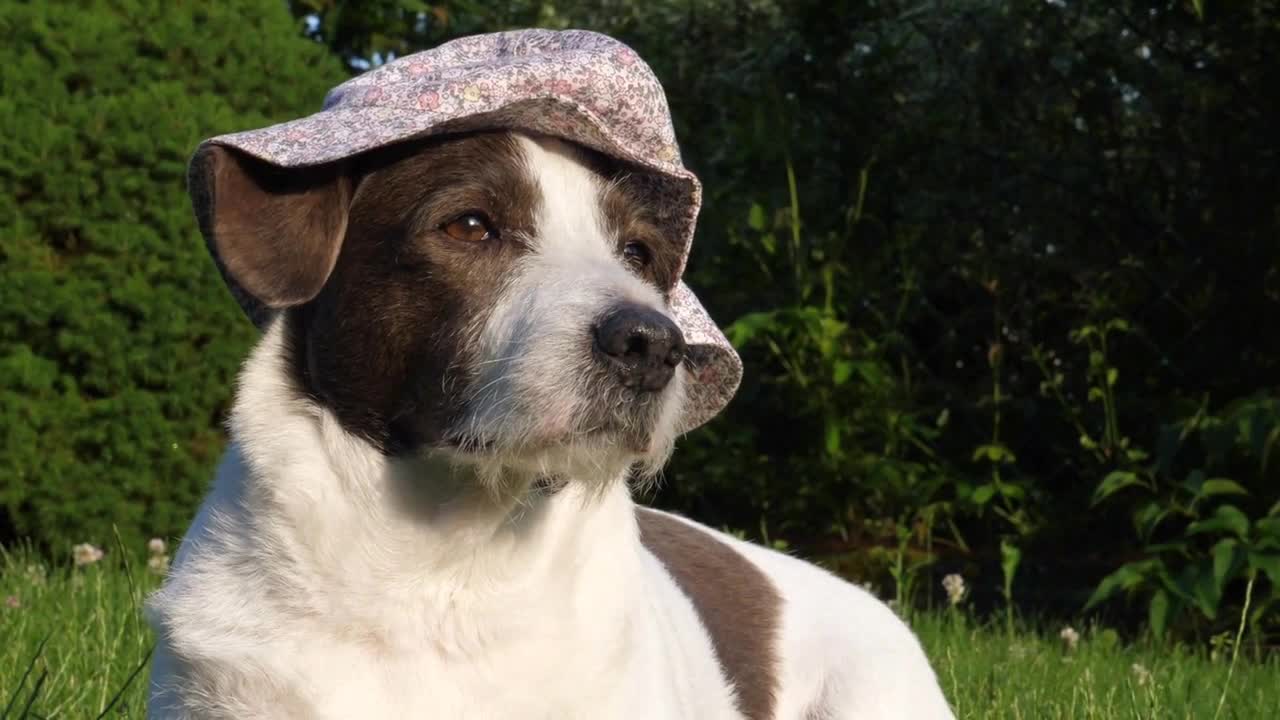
580,86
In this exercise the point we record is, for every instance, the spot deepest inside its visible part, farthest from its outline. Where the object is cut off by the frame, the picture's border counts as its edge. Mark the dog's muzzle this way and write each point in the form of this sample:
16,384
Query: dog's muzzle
640,345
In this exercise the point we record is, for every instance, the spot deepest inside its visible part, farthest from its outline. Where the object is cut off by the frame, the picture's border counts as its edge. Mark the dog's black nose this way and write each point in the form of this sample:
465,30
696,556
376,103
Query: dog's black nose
641,344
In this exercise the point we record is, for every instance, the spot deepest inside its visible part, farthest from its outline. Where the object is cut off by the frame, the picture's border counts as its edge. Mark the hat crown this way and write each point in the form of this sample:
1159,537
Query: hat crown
479,53
574,56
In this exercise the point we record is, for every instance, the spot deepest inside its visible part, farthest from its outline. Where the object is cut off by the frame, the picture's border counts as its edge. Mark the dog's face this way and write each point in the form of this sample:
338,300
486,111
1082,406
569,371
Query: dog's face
494,298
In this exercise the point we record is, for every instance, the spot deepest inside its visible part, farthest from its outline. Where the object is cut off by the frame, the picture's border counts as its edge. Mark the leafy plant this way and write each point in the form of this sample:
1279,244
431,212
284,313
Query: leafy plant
871,454
1198,534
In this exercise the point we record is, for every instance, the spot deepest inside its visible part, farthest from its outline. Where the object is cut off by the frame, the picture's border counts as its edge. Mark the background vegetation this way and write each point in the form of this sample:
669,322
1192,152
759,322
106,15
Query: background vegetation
1001,274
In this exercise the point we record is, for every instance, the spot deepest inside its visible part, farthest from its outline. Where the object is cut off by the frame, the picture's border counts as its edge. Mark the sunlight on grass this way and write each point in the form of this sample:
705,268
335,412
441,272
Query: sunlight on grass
95,645
987,673
95,639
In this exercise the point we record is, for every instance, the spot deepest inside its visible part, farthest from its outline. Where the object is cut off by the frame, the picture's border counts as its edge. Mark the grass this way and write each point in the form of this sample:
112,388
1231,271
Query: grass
75,646
988,673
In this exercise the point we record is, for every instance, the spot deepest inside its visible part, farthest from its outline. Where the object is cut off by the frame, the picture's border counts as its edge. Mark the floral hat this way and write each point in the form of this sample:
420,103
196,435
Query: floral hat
576,85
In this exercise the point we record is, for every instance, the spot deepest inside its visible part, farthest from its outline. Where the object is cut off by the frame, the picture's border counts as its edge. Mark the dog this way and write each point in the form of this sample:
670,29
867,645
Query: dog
424,510
476,341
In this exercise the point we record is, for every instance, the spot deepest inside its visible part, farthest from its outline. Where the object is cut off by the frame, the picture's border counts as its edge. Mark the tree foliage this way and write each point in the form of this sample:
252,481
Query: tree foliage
117,342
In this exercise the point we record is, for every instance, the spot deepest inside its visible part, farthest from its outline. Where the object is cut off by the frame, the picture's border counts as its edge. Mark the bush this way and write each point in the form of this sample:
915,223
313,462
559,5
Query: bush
118,343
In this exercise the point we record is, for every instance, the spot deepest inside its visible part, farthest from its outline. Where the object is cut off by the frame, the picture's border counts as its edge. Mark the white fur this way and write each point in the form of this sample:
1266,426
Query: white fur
530,392
321,579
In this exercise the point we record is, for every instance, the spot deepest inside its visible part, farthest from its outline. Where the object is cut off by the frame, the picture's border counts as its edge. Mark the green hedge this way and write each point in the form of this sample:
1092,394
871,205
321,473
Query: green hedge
117,342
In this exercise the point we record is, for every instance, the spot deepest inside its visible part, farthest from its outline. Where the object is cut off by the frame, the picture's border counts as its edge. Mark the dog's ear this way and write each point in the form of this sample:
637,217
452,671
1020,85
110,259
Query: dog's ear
274,232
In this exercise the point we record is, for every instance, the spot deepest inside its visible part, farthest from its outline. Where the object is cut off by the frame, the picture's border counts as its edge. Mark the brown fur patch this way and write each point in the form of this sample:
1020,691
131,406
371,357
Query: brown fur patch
631,215
738,605
395,323
275,233
628,217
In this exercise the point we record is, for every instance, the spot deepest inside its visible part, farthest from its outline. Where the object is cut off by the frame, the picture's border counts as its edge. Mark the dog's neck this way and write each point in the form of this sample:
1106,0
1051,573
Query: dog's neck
347,532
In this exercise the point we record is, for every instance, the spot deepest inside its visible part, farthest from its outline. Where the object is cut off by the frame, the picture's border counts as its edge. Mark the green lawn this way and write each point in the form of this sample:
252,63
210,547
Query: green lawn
95,641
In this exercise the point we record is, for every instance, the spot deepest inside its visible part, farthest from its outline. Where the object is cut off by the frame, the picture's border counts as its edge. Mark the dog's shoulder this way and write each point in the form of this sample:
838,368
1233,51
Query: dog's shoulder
796,640
738,605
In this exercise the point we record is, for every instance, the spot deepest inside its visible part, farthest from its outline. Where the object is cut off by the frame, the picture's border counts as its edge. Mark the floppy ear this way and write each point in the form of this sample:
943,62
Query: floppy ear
274,232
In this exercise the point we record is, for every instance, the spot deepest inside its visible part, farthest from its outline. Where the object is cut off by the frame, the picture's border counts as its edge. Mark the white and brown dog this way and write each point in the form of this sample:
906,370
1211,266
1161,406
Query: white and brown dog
424,510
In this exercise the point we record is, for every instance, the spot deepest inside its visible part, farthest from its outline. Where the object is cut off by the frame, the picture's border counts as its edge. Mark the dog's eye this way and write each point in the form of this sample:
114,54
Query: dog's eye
471,227
637,254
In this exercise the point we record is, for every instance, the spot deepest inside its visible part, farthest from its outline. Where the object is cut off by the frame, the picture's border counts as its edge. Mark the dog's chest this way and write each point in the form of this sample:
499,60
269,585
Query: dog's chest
652,666
345,680
592,628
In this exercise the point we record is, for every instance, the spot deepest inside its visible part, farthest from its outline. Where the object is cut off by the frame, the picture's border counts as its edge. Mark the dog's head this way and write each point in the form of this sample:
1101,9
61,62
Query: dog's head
497,298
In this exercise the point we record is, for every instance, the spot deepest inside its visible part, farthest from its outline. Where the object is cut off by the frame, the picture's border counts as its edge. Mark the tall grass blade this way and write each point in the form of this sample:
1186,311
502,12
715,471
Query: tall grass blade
129,681
31,666
35,693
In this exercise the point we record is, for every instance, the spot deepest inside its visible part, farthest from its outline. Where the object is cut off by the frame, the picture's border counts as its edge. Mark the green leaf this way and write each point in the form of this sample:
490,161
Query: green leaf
1114,482
1221,486
1011,491
841,372
1267,563
1125,578
1178,547
749,326
1158,612
1195,481
1112,376
833,439
1010,559
1148,517
984,493
1268,528
1081,334
1204,589
769,243
994,453
870,372
1136,455
1118,325
1225,519
1224,561
756,218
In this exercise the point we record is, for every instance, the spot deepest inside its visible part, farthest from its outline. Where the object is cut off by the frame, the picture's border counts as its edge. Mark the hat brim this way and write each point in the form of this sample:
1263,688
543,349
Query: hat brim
713,365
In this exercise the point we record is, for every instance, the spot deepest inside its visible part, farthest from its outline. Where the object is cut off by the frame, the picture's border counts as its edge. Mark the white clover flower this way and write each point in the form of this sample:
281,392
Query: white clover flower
1070,638
157,546
158,564
954,585
13,602
86,554
36,575
1141,674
